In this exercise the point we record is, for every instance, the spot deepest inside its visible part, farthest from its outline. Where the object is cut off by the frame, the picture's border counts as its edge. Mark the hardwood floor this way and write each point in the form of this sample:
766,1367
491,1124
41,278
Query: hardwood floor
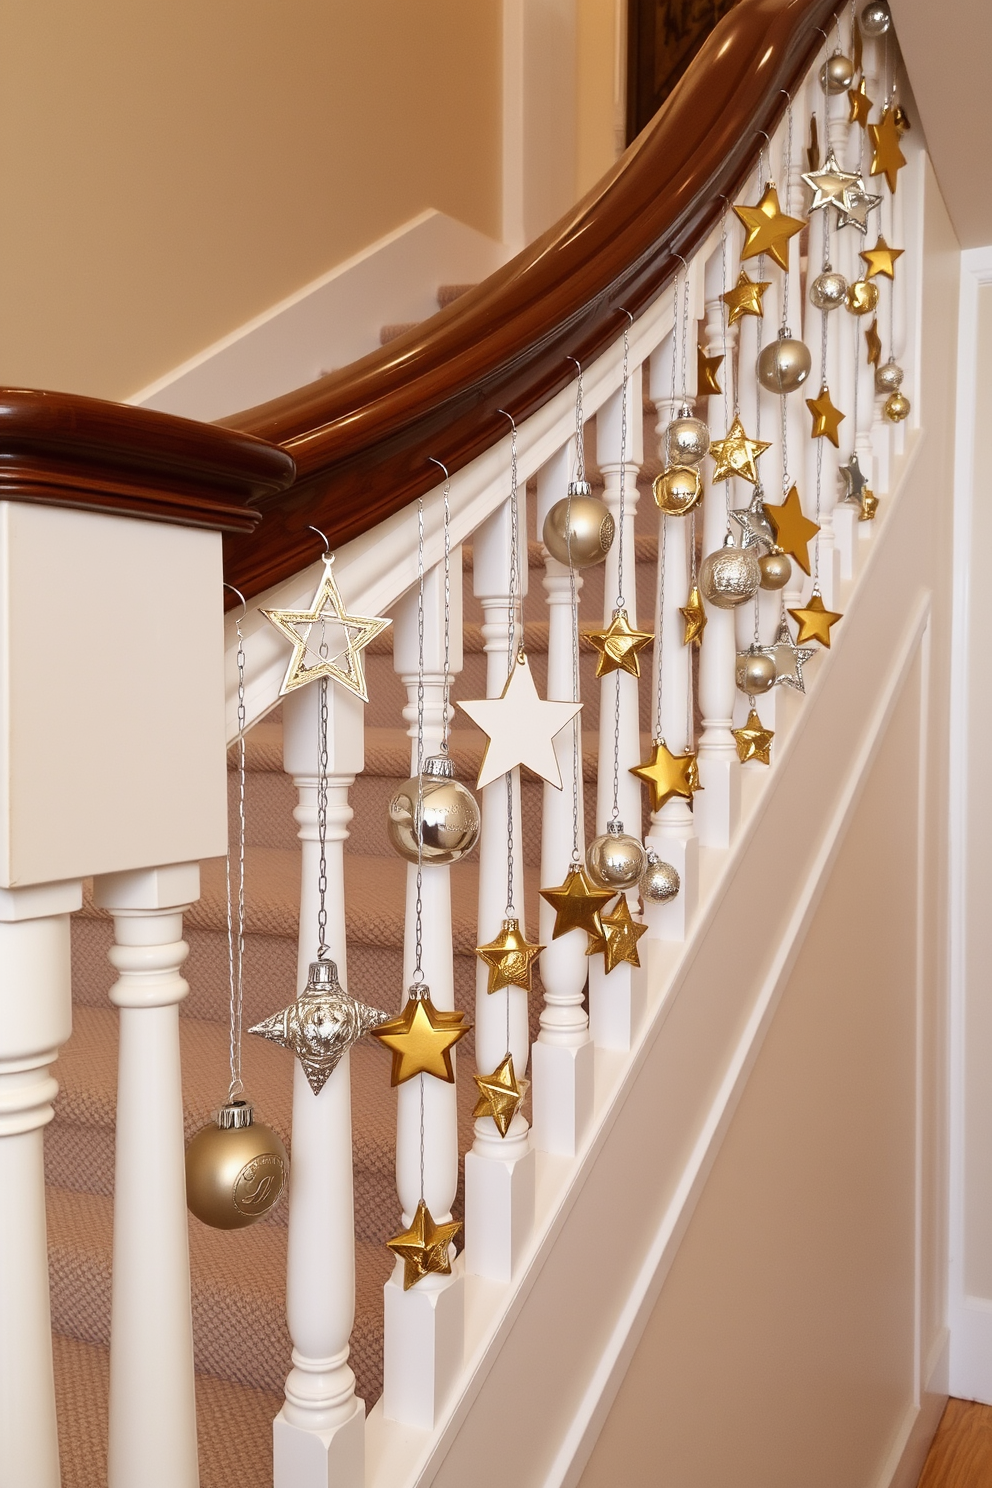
961,1454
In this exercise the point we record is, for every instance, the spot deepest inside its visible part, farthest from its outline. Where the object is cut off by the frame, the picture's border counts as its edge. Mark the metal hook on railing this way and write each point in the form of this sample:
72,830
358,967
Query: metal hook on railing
787,94
576,361
509,416
624,311
441,463
323,538
244,602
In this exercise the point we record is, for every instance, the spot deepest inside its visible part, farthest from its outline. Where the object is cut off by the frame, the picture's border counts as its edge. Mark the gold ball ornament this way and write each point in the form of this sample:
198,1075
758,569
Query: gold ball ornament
837,74
896,408
688,439
888,377
615,860
730,576
776,569
828,290
862,297
677,490
442,814
755,672
784,365
580,527
660,882
236,1169
875,19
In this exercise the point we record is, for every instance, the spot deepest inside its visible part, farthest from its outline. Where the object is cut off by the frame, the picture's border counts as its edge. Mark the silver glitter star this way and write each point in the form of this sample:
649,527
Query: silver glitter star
830,183
855,480
789,658
321,1025
753,521
857,204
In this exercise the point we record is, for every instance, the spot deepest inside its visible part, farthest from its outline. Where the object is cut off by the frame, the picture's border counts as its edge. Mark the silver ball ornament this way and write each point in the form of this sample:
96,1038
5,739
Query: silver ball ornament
660,881
837,74
828,290
579,526
615,860
445,820
236,1169
730,576
776,569
896,408
784,365
755,672
888,377
688,439
875,19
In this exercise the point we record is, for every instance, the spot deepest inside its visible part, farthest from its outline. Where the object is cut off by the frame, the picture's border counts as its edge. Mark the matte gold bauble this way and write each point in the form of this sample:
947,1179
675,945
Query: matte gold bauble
896,408
677,490
888,377
862,297
688,439
828,290
236,1168
776,570
438,811
660,881
579,527
615,860
784,365
730,576
837,74
755,672
875,19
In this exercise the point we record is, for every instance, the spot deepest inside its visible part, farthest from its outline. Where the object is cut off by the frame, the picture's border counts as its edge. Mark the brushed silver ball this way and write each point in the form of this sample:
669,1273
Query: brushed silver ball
837,74
828,290
875,19
888,377
776,570
784,365
579,525
730,576
896,408
688,440
446,820
660,881
615,860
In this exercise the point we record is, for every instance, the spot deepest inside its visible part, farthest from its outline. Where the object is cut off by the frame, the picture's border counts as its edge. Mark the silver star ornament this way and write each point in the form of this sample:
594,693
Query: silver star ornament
321,1025
857,204
855,480
789,658
521,728
754,523
830,183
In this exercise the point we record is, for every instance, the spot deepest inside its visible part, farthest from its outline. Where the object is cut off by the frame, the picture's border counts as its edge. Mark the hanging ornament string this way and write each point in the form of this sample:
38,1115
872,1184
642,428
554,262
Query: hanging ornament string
729,365
823,383
580,476
659,732
446,685
621,534
511,658
236,939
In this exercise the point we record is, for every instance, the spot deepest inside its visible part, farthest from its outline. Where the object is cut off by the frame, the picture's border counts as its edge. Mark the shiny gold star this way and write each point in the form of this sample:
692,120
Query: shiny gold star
621,932
736,454
576,903
425,1247
510,958
694,615
706,369
332,622
793,529
887,159
813,148
618,646
861,104
745,297
902,118
666,775
873,341
826,418
421,1039
500,1094
881,259
768,228
869,506
753,741
814,621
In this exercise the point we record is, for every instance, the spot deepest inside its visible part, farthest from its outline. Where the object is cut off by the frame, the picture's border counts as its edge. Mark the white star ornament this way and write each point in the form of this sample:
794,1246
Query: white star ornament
521,728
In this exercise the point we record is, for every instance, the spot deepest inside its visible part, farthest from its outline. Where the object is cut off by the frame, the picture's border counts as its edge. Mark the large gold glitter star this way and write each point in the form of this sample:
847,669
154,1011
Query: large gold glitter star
321,1025
768,228
861,104
510,958
706,369
618,646
793,529
873,342
814,621
887,159
331,619
694,615
666,775
621,932
421,1038
881,259
500,1094
745,297
826,418
753,741
736,454
576,903
425,1247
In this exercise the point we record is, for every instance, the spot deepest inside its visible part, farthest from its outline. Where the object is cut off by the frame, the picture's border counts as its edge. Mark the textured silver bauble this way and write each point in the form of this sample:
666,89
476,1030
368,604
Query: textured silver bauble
784,365
615,860
236,1169
730,576
776,570
580,526
448,815
677,490
896,408
888,377
688,439
837,74
755,672
660,881
875,19
828,290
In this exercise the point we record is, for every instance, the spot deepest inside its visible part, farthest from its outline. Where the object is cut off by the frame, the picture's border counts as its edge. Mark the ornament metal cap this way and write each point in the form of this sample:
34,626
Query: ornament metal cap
579,488
235,1115
615,828
439,765
323,977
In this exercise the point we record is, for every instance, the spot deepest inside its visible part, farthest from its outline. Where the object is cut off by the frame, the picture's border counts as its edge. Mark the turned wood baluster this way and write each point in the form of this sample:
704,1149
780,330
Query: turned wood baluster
846,328
796,412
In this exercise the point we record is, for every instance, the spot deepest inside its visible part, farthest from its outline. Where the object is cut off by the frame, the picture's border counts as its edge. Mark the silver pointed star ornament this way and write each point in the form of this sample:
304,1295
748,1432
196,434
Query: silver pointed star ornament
754,523
521,727
857,204
316,634
829,183
854,478
789,658
321,1025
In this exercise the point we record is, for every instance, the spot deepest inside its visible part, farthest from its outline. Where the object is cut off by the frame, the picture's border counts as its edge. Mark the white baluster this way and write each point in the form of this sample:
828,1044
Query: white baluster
424,1327
563,1054
845,327
499,1171
895,206
152,1402
616,1000
319,1435
35,1019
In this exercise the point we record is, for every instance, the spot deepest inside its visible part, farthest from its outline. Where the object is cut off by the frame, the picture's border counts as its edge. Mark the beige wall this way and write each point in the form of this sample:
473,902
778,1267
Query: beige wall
601,68
171,170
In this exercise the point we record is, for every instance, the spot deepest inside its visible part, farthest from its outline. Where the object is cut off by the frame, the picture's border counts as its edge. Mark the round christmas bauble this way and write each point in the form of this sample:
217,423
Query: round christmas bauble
875,19
888,377
688,440
755,672
784,365
896,408
776,570
837,74
615,860
579,526
440,813
660,881
677,490
730,576
828,290
862,297
236,1168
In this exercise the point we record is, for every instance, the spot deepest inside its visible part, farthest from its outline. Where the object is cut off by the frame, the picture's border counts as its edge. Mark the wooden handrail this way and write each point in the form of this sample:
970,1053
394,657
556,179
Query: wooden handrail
361,436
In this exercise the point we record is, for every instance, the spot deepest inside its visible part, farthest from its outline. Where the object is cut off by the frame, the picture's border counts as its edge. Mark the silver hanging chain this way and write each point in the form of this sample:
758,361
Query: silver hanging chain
236,916
322,946
659,733
446,697
819,442
620,540
728,371
787,173
689,711
580,466
418,966
511,656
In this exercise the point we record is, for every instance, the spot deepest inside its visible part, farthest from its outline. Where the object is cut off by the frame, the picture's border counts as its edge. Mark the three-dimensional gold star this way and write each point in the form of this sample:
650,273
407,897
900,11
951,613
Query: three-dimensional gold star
576,903
829,183
706,369
869,506
666,775
618,645
500,1094
826,418
753,741
881,259
425,1247
736,454
861,104
887,159
321,1025
793,529
694,615
873,341
331,619
421,1038
814,620
510,958
768,228
813,148
621,932
745,297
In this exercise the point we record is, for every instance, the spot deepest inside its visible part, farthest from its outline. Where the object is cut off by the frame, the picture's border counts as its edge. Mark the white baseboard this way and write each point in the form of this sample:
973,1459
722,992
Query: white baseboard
332,321
904,1463
971,1349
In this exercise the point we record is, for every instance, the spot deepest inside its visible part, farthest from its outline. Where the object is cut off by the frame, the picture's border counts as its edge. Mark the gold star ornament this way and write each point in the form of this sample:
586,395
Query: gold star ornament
706,369
829,184
576,903
873,342
753,741
736,454
521,726
618,646
321,1025
425,1248
826,418
500,1094
510,958
793,529
861,104
326,640
768,229
621,932
881,259
745,298
421,1039
668,775
814,621
694,615
887,159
